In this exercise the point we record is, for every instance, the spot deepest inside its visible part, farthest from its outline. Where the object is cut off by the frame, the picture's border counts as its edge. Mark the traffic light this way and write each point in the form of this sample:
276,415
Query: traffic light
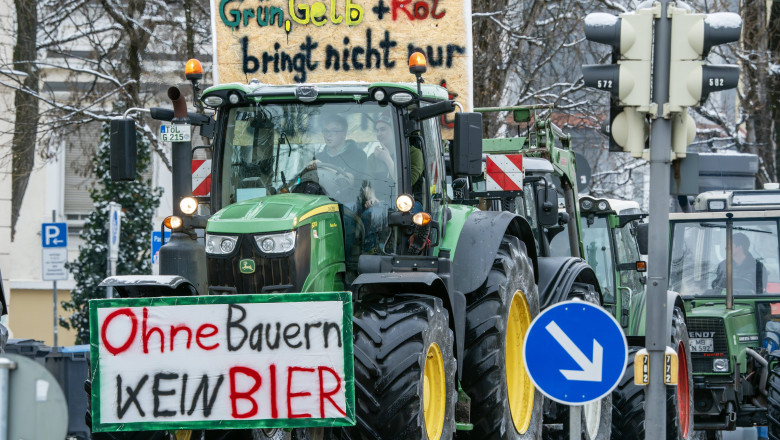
627,78
691,80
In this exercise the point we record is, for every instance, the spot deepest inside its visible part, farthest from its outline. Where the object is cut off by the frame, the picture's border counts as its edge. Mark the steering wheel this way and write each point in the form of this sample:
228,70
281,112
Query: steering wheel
310,180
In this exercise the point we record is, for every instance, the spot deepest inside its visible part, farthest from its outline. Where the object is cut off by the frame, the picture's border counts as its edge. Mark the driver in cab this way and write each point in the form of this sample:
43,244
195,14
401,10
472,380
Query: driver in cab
340,163
748,273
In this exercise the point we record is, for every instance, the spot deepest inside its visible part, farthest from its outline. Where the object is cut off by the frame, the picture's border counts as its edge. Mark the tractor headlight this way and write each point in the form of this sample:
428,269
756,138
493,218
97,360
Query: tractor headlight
276,243
720,365
188,205
220,244
213,101
603,205
404,203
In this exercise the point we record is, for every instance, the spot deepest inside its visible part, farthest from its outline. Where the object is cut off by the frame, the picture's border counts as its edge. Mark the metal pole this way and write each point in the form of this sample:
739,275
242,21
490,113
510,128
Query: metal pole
56,319
729,261
657,335
6,365
575,419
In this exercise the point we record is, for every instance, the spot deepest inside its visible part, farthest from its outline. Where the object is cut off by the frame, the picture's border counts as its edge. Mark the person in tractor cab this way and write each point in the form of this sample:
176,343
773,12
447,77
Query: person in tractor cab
382,166
748,273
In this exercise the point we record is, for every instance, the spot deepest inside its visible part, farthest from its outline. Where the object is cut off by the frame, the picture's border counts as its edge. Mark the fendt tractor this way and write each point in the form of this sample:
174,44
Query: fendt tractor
607,239
443,293
724,260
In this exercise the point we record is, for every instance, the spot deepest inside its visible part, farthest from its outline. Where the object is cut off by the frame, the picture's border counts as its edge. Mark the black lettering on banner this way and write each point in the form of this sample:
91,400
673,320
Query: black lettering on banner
275,344
203,387
183,393
231,324
256,338
306,328
157,393
132,396
326,330
289,335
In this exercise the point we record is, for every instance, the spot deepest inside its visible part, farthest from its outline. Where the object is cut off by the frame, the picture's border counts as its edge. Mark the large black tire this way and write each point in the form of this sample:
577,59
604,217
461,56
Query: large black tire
392,338
485,369
773,403
628,399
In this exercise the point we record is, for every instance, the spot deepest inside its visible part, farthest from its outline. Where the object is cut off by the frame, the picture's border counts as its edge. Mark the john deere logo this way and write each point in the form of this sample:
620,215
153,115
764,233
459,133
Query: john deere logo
247,266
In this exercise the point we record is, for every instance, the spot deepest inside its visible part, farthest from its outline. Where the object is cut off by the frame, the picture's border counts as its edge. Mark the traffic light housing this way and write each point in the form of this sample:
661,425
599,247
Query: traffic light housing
691,80
627,78
631,37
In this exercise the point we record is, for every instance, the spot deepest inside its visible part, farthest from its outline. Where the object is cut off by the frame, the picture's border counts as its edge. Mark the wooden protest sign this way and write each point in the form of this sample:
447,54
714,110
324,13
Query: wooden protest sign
297,41
233,361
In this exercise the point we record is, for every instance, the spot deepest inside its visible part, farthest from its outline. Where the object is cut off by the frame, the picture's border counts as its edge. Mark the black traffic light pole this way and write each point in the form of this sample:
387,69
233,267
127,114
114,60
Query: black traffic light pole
657,336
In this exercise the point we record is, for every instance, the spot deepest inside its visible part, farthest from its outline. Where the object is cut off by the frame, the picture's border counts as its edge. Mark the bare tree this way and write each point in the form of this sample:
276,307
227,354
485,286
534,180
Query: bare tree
85,61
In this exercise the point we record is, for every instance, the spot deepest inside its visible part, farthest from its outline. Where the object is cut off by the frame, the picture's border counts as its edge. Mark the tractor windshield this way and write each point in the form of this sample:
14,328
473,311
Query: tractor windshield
346,151
698,257
598,253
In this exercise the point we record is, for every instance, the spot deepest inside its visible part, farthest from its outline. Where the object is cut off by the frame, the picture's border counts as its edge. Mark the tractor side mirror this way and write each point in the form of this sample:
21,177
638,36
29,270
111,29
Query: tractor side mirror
642,230
547,206
466,154
124,150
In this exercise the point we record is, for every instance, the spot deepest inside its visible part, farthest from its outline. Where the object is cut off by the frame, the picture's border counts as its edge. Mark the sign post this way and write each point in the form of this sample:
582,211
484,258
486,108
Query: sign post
114,227
54,255
575,353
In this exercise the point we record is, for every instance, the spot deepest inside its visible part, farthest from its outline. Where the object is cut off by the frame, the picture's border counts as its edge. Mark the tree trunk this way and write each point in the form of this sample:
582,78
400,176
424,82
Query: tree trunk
756,102
26,105
774,80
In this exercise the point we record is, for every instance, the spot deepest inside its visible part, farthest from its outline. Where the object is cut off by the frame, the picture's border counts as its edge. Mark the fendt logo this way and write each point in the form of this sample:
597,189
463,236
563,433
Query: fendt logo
701,334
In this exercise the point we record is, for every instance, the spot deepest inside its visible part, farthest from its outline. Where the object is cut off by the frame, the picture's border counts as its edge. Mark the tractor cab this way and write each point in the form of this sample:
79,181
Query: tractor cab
725,262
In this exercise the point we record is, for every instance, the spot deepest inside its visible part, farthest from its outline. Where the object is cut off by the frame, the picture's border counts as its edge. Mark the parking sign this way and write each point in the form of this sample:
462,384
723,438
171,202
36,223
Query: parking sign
54,235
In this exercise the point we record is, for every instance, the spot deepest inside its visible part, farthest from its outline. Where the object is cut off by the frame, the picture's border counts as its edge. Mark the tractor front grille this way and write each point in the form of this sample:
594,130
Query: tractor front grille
285,273
702,362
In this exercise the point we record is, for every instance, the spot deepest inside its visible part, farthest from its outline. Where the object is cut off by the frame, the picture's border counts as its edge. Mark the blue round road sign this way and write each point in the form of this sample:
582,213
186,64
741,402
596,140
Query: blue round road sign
575,352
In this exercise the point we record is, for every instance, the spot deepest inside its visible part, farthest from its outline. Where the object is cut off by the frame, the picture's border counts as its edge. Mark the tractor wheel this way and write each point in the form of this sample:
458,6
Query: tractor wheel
773,403
596,416
628,399
504,402
404,369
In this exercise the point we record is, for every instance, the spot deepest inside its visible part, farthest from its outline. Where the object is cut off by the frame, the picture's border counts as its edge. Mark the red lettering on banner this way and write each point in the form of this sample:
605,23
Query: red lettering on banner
244,395
104,328
145,334
274,408
201,333
178,329
291,395
420,10
400,5
327,394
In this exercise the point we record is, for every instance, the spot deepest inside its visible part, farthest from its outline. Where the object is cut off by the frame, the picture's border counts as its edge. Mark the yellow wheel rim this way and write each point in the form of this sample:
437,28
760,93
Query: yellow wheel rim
520,389
434,392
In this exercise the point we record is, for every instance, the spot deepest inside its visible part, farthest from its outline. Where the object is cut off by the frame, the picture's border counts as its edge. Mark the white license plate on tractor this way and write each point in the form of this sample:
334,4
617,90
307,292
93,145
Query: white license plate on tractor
175,132
702,345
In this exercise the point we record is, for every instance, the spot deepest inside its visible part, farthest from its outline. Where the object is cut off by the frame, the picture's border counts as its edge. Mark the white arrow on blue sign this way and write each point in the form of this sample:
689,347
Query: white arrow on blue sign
54,235
575,352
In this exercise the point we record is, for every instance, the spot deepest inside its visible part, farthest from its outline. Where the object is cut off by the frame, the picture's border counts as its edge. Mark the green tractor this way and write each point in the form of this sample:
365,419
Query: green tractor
604,233
724,260
546,194
309,195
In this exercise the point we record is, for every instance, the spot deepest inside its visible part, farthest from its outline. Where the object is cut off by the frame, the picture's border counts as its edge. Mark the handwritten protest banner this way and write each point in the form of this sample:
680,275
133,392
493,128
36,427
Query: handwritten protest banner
234,361
296,41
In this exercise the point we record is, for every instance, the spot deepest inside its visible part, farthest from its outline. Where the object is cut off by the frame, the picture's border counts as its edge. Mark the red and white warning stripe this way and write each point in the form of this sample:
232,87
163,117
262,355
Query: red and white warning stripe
201,177
504,172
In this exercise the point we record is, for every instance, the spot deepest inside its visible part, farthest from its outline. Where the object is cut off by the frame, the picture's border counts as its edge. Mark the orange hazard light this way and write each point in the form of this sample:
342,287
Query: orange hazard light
193,69
417,63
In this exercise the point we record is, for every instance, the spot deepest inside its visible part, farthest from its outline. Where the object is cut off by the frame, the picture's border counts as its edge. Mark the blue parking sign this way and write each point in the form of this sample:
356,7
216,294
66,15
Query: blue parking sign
157,244
54,235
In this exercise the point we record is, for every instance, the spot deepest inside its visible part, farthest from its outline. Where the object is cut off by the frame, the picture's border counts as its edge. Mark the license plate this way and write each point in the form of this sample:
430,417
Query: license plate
175,132
700,345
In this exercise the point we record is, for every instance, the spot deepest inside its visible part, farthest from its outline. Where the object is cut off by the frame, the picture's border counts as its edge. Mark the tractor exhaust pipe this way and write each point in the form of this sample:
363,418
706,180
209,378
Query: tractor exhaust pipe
179,103
729,261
